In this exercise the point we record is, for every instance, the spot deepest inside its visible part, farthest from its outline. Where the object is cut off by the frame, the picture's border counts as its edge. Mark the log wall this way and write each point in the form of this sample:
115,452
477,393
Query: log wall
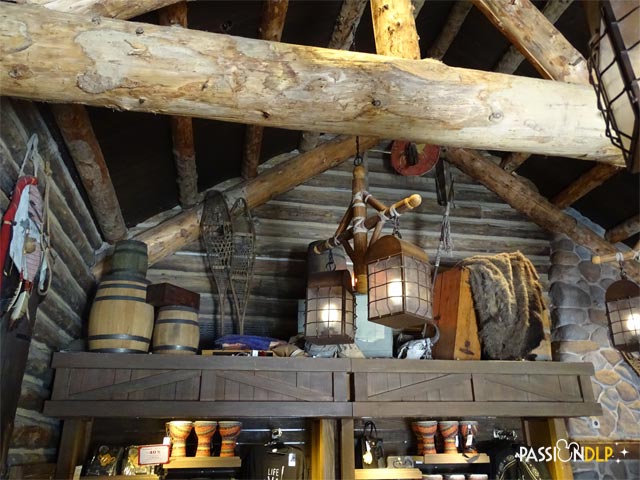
481,223
60,317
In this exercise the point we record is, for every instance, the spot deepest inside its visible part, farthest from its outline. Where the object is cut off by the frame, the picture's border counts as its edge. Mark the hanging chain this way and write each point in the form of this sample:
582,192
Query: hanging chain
357,160
331,264
396,227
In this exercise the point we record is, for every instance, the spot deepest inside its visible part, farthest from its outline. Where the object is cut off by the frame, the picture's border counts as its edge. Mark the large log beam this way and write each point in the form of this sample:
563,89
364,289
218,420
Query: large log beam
274,13
51,56
342,37
123,9
531,204
183,229
85,151
394,29
625,230
537,39
184,150
583,185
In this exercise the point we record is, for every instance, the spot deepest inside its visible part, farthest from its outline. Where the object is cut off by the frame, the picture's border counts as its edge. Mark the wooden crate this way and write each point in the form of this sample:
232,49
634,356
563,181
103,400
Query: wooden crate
453,311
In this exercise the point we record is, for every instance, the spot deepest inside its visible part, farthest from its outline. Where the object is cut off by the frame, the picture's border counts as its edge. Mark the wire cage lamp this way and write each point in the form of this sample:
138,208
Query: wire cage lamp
399,278
622,300
614,66
330,307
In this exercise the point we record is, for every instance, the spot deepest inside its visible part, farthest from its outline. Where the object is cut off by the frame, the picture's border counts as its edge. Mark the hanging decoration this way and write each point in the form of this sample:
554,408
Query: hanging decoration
228,237
622,300
24,236
408,158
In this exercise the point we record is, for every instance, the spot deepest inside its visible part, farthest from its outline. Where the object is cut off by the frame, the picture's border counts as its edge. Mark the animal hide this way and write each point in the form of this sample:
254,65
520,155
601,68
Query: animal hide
509,306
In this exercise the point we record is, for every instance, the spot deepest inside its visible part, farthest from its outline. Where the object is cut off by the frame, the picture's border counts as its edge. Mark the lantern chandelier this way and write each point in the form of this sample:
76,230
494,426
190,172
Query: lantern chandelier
395,273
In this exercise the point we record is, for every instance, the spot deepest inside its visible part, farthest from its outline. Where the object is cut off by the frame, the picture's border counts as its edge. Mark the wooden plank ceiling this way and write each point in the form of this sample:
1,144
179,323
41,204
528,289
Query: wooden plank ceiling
145,153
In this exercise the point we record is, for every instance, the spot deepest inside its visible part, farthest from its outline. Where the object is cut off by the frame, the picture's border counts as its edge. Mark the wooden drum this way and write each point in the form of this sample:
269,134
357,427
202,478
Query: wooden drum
121,321
176,330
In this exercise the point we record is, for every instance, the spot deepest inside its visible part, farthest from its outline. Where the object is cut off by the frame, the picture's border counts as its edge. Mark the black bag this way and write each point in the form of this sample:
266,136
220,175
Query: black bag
369,451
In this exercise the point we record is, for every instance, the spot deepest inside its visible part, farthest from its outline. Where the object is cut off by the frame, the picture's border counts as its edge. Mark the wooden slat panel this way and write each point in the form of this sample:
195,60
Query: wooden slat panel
447,385
136,384
83,379
521,388
61,384
340,387
188,389
278,377
279,386
162,409
208,385
121,375
586,388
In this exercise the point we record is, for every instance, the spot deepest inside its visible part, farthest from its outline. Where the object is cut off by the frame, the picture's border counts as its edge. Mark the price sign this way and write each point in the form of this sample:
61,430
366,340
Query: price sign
153,454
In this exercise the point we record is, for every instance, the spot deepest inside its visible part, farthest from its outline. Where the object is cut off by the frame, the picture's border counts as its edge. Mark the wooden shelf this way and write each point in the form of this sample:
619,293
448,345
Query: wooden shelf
387,473
453,458
202,462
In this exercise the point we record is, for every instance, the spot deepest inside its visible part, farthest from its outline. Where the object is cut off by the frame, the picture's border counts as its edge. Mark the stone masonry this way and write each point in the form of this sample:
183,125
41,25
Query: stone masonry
580,334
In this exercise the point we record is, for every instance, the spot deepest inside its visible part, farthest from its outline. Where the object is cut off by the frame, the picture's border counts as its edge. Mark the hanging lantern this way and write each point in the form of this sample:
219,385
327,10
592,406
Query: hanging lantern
399,279
615,68
623,311
330,305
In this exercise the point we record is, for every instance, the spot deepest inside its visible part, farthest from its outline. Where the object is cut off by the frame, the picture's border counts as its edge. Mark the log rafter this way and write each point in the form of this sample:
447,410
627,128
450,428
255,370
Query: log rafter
531,204
274,13
184,151
75,126
626,229
584,184
450,29
123,9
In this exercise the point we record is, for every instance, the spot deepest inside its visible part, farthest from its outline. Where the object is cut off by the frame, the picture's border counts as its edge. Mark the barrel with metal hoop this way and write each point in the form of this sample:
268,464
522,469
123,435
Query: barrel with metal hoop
121,321
130,256
176,330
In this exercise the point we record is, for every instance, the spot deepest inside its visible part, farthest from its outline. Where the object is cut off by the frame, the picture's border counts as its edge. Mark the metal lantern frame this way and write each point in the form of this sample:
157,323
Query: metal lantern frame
612,91
330,293
622,300
399,283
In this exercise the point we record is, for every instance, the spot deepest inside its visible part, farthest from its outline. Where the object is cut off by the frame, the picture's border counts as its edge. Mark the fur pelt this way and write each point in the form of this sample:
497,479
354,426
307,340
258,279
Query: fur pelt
509,304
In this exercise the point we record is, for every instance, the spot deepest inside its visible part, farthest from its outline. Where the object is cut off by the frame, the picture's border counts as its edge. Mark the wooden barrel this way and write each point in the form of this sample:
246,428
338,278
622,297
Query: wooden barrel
130,256
121,321
176,330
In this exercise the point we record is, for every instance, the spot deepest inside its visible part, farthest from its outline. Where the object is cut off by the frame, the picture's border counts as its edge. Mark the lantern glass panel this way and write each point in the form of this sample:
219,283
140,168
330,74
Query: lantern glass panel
624,319
329,309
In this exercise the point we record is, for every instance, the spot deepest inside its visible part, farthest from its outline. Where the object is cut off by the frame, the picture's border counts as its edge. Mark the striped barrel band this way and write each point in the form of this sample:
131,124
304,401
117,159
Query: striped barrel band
117,350
119,336
122,285
174,347
179,308
120,297
177,320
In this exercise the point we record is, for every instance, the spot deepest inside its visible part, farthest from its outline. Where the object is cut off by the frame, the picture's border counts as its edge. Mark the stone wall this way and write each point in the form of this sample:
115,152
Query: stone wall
580,334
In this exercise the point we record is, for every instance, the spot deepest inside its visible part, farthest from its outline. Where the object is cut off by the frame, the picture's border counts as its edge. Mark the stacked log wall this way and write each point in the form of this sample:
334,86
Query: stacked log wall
481,223
61,315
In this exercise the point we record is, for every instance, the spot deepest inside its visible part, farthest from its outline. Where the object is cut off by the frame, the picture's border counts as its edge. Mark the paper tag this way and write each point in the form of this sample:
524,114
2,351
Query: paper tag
469,440
292,459
76,472
457,441
153,454
166,441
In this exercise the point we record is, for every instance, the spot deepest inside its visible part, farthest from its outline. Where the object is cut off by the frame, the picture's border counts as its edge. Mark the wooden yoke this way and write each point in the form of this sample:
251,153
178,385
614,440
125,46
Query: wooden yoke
359,209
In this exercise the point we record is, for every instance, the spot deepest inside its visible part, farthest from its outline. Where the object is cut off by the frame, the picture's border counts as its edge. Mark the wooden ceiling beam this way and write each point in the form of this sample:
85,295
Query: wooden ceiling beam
537,39
394,29
511,60
184,150
122,9
452,26
183,229
75,125
274,13
626,229
584,184
528,202
63,58
344,31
